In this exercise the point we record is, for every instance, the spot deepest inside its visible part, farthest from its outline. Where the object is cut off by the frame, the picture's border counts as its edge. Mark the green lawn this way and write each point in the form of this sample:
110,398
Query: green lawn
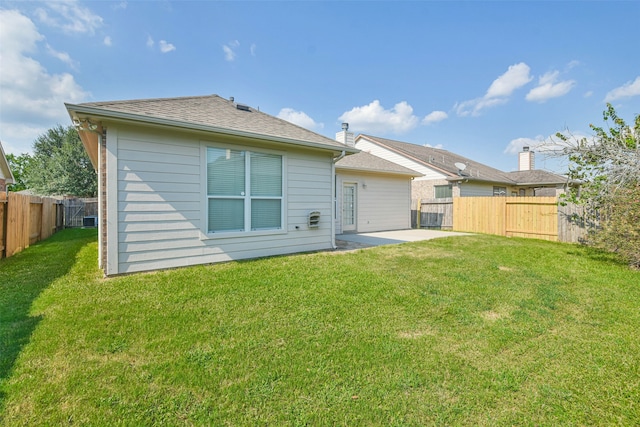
475,330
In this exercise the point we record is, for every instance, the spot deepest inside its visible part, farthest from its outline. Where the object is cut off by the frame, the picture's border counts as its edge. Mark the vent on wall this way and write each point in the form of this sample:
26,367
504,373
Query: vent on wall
314,219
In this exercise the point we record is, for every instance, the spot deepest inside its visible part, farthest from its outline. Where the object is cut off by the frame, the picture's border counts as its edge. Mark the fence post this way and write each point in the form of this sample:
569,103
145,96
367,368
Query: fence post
3,239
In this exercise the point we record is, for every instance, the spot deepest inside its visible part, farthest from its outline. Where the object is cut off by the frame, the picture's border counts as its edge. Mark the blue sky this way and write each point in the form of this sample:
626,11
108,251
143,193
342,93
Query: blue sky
477,78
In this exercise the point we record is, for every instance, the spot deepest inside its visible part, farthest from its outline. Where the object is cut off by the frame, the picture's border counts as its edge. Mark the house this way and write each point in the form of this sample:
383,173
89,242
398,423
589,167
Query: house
6,177
195,180
445,174
372,194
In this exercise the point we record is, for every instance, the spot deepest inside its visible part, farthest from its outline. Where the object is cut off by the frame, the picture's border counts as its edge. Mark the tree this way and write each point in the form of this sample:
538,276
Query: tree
608,168
60,165
19,166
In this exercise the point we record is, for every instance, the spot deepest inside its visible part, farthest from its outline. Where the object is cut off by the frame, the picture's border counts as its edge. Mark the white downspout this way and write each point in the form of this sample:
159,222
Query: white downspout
333,198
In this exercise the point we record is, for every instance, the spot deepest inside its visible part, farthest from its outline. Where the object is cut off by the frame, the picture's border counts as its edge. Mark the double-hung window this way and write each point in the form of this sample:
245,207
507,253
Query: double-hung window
244,190
443,191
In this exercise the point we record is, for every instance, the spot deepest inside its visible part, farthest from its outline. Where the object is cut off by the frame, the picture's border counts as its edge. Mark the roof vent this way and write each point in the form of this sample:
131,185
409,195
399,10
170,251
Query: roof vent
231,98
243,107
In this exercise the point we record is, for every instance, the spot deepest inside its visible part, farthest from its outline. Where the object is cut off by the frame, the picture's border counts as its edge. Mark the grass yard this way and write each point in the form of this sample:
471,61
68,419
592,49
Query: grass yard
476,330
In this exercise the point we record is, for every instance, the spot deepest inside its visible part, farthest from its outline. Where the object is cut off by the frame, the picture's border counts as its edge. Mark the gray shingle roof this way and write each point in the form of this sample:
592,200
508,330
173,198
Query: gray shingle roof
442,160
536,177
368,162
215,112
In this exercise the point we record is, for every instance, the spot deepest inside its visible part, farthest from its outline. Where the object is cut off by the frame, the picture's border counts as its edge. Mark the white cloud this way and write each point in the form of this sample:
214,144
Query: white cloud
627,90
150,41
515,77
166,47
542,144
515,146
122,5
374,118
69,16
32,98
229,50
434,117
107,41
62,56
229,54
299,118
548,88
253,49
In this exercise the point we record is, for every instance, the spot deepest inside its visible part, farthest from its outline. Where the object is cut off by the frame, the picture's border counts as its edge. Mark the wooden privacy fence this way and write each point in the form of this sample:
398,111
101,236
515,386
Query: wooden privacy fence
26,220
531,217
433,214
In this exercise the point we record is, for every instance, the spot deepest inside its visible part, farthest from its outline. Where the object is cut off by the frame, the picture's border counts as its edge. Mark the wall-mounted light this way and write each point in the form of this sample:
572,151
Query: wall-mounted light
84,125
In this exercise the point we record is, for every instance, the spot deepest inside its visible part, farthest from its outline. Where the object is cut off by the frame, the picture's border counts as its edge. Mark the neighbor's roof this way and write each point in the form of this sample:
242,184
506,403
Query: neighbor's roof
209,113
536,176
5,170
442,160
368,162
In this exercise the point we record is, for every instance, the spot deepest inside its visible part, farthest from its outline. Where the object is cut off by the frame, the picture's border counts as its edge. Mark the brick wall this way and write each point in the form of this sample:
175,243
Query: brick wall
425,189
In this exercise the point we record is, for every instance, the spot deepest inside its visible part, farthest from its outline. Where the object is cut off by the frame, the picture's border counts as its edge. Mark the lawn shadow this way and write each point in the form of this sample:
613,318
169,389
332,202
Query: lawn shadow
23,277
599,255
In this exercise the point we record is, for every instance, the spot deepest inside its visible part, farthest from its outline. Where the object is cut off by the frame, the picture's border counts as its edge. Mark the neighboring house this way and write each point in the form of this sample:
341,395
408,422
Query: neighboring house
6,177
446,174
196,180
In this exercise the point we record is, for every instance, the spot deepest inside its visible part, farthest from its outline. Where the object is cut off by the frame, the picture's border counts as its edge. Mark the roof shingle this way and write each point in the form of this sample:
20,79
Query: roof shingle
213,111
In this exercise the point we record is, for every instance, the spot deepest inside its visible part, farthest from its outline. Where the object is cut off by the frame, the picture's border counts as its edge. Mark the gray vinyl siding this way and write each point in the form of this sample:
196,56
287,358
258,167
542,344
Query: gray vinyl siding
384,204
161,203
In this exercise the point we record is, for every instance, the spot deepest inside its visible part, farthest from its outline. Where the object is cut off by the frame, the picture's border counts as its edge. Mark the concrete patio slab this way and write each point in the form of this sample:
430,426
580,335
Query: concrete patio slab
391,237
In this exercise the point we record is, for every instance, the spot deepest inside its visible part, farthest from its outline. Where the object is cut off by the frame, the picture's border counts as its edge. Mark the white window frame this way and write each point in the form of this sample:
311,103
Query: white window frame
247,197
501,191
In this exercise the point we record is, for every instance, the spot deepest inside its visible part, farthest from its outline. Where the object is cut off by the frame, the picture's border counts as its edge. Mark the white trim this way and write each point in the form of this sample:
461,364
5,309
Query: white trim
100,201
334,205
112,201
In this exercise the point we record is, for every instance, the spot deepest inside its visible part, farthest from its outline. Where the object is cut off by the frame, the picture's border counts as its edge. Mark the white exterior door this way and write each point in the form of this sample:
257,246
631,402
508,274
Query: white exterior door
349,207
